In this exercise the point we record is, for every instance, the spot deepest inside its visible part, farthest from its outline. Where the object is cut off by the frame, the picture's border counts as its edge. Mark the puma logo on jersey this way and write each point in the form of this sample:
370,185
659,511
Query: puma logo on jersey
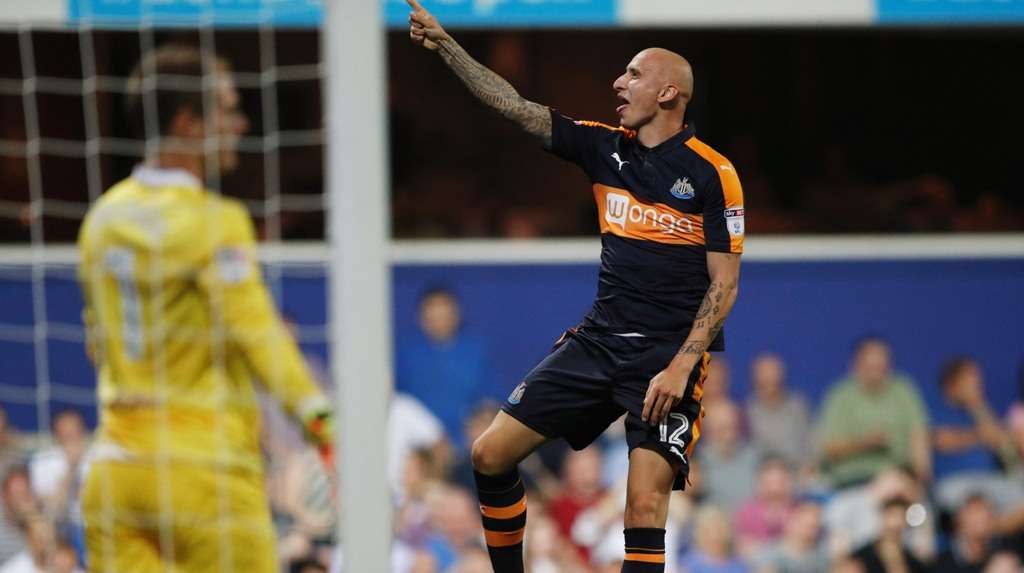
615,156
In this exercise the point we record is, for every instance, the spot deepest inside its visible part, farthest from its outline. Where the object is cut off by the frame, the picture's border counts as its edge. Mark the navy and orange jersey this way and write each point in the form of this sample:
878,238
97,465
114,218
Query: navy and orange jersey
660,210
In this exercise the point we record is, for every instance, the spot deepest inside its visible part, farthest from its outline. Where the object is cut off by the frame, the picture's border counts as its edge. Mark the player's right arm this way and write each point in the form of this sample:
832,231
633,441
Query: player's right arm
487,86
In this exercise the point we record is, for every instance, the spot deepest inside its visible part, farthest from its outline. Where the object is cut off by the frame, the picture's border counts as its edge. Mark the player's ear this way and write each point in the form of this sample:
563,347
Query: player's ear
668,93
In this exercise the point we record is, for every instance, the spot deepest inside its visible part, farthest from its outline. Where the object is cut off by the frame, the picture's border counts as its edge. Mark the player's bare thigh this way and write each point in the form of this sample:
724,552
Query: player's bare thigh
648,488
504,444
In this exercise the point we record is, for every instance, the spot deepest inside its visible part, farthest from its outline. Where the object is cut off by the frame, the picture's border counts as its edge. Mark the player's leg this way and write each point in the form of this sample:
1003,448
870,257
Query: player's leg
496,455
648,489
566,395
117,535
119,548
224,522
503,445
658,463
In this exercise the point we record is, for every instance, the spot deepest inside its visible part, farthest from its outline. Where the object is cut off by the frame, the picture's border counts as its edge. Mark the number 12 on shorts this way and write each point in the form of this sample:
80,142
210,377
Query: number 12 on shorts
677,439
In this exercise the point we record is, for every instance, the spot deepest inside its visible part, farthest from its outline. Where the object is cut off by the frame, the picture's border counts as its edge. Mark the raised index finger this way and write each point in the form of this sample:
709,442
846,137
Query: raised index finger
415,5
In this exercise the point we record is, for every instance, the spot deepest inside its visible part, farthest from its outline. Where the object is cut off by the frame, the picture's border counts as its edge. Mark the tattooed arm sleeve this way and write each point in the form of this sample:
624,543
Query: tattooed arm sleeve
724,269
495,91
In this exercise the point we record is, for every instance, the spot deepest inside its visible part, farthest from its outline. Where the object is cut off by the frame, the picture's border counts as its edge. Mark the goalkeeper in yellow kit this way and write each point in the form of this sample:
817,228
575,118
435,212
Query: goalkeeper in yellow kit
180,326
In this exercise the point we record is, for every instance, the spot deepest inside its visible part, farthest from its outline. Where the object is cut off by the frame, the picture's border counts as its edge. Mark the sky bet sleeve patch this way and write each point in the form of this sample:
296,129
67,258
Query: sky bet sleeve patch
734,221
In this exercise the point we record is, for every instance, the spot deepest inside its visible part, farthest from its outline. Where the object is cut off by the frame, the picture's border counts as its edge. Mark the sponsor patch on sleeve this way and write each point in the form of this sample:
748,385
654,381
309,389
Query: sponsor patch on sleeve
233,264
734,221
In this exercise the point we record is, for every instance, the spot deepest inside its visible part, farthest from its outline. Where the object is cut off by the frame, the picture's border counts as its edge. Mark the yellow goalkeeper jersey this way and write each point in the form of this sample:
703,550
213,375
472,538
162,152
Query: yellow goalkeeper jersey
180,324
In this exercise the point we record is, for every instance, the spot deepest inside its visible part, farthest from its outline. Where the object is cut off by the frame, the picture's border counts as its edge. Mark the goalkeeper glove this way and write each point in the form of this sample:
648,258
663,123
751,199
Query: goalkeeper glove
318,426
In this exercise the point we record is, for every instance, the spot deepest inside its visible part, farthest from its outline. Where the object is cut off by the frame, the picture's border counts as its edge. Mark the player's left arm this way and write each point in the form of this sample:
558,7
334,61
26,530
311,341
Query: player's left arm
668,386
723,238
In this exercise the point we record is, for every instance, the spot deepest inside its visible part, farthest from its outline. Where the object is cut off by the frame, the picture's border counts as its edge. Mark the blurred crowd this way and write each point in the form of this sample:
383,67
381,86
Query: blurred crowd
877,478
40,522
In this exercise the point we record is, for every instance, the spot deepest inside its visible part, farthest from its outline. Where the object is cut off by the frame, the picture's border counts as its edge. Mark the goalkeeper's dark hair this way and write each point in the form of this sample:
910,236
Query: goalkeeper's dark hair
174,73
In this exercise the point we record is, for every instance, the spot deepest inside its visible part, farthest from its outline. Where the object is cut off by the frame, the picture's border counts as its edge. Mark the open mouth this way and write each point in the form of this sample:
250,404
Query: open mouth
625,104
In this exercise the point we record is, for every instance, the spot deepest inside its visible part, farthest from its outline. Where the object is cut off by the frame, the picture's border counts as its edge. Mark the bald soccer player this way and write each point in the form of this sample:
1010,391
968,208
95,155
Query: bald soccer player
671,216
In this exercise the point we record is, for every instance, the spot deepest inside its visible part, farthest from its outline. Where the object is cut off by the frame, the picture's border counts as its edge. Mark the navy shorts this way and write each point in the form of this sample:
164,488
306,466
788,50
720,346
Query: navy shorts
590,379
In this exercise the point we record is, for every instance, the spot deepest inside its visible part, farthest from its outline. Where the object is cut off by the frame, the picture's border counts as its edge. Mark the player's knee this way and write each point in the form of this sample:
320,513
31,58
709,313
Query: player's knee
646,509
487,459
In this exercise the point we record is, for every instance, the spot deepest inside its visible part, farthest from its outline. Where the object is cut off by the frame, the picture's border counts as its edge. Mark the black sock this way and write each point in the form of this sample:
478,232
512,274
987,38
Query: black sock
645,550
503,505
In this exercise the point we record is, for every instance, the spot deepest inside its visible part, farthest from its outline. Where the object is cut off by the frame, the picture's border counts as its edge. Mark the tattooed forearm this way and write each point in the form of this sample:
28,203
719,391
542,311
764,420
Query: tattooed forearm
705,305
708,307
717,327
495,91
694,347
710,317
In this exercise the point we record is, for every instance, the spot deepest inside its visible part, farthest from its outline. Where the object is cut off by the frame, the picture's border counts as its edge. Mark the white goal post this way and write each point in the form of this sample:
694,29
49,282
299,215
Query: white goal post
360,289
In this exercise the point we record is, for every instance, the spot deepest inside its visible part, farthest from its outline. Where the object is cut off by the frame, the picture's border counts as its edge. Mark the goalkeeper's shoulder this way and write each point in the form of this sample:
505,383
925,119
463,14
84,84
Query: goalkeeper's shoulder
229,213
110,206
222,221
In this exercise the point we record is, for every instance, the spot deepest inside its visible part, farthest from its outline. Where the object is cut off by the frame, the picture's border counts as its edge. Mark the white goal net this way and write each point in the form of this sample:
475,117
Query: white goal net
65,138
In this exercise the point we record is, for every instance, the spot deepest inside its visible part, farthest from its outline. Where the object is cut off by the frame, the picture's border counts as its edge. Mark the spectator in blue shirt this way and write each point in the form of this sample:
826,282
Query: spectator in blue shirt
971,445
441,365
